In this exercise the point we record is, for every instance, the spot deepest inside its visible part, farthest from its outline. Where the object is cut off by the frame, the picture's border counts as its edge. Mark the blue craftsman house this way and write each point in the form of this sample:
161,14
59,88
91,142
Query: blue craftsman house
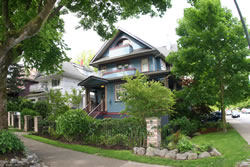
122,55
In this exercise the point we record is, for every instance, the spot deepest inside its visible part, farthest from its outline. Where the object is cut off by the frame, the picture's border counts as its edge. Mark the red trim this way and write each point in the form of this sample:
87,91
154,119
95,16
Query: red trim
121,46
120,70
111,113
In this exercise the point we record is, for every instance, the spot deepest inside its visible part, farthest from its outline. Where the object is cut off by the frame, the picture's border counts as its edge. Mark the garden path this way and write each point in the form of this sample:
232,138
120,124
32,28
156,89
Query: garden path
60,157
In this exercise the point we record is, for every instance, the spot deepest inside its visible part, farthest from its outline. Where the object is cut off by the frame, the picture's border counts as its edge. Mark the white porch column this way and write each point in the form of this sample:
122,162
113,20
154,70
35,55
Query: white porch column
12,119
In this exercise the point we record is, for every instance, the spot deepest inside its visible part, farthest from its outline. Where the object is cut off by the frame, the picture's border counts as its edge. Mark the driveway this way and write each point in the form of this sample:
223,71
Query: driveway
242,125
60,157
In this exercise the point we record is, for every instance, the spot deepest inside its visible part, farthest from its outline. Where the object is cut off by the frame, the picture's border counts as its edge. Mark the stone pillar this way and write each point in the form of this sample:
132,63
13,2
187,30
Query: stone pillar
19,122
9,116
26,123
12,119
36,123
154,134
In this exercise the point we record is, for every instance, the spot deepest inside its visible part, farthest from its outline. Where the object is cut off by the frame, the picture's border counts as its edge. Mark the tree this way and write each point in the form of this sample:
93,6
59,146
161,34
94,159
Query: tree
33,30
74,99
15,80
143,98
212,52
85,57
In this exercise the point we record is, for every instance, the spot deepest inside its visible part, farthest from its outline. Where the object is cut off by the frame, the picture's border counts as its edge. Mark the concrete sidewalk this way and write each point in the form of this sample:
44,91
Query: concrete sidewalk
242,125
60,157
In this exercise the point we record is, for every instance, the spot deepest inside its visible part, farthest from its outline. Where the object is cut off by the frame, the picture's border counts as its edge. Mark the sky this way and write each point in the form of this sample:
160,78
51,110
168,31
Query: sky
155,31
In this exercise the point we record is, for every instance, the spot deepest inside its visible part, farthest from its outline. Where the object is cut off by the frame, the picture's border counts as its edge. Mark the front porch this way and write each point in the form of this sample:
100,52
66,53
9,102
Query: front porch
96,105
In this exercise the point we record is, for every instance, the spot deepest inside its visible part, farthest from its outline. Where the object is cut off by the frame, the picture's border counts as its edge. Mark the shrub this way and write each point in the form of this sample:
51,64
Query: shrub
74,124
119,139
26,104
184,144
30,112
184,125
9,143
43,108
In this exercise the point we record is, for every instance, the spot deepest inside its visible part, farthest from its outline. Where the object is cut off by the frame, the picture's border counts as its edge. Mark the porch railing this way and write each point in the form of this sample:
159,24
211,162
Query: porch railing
88,108
97,110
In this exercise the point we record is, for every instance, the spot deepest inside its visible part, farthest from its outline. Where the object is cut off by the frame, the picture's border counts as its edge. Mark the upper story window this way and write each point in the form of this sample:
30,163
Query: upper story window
55,82
144,65
123,41
163,65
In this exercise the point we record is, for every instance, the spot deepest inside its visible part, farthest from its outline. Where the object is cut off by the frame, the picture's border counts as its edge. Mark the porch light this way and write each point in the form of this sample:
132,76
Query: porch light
102,86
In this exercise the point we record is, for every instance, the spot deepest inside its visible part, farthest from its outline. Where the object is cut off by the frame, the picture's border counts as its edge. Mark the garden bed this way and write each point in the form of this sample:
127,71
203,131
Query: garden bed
9,156
232,146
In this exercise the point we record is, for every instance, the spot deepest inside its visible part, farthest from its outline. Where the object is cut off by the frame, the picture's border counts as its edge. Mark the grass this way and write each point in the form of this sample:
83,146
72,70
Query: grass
233,147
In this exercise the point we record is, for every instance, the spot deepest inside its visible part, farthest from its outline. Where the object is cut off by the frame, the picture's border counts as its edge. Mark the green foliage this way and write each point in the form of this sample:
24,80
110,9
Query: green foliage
102,132
43,108
117,140
15,80
85,57
184,144
9,143
74,124
58,104
27,111
145,98
26,104
242,104
184,125
74,98
212,54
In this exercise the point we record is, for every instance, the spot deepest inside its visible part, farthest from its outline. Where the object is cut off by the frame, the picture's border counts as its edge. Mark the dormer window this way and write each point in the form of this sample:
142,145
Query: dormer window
123,41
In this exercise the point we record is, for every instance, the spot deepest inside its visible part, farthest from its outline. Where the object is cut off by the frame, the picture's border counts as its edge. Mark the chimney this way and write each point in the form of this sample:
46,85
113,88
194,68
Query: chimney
81,62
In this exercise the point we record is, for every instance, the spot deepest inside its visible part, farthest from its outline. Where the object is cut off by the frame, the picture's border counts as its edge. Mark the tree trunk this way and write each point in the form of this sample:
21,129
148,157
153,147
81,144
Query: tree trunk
223,109
3,98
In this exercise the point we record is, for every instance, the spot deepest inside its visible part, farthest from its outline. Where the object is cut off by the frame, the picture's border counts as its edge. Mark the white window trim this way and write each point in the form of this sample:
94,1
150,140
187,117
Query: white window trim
142,70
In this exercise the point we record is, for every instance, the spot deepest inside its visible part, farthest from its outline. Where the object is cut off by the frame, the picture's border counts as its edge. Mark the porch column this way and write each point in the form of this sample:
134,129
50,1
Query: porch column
36,123
106,98
9,121
12,119
26,123
154,134
87,96
19,122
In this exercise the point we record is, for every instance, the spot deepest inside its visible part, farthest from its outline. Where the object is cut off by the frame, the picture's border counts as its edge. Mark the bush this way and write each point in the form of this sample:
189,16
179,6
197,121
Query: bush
26,104
119,139
43,108
30,112
184,125
9,143
74,124
184,144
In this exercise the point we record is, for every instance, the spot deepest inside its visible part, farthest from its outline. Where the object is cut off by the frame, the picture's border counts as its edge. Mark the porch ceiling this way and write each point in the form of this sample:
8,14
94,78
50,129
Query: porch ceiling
93,82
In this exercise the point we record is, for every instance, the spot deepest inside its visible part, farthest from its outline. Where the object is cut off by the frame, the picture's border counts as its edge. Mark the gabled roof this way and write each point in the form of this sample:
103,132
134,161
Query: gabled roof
108,43
70,70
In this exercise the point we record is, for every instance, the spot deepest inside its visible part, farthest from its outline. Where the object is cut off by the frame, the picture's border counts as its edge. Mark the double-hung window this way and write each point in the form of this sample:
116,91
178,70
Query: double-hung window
144,65
118,92
55,82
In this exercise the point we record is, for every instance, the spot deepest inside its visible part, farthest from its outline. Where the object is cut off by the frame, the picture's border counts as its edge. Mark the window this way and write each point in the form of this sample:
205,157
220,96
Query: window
118,92
123,41
144,65
55,82
163,65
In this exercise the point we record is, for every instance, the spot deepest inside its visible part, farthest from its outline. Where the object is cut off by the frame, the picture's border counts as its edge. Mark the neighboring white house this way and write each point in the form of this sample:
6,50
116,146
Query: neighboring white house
68,79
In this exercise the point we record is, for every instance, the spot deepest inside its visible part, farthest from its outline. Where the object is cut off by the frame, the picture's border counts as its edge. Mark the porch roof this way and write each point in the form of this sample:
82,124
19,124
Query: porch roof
93,81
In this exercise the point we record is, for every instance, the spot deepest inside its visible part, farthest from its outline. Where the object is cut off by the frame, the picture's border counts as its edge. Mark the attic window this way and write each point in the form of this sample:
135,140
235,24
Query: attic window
123,41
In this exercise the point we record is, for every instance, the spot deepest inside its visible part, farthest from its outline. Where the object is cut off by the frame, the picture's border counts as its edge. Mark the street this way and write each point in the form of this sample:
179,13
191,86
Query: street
242,125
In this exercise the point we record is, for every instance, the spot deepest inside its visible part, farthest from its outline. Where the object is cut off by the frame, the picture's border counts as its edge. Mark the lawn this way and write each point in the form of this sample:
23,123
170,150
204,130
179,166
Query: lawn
233,147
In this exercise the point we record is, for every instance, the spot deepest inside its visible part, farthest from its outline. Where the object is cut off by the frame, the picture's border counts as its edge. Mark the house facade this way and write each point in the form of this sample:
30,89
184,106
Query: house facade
122,55
64,81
